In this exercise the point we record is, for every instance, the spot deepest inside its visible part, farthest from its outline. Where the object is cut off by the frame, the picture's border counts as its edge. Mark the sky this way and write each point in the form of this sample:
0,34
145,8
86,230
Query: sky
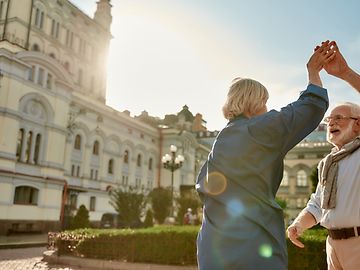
169,53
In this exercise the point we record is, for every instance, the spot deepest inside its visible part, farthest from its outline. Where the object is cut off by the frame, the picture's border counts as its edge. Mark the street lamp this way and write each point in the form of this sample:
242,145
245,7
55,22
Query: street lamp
172,163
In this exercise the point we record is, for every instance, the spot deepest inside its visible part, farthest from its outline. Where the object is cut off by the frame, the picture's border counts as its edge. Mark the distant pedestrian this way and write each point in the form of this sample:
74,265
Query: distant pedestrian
188,217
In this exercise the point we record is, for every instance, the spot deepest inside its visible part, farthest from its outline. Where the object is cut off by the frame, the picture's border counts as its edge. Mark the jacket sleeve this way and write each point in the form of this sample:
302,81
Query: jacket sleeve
285,128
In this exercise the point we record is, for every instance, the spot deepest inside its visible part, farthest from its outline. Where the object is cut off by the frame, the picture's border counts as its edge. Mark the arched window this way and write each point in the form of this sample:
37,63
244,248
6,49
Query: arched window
285,180
26,195
96,148
301,178
49,81
19,144
39,18
28,146
126,156
35,47
150,164
37,148
111,166
77,144
138,160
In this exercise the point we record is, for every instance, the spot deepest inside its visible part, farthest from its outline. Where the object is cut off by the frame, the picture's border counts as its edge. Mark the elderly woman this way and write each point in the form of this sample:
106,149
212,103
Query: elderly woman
243,226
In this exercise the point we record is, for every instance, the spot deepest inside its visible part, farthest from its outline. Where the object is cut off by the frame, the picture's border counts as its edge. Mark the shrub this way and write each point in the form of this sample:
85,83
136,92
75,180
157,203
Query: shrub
130,205
81,219
172,245
160,199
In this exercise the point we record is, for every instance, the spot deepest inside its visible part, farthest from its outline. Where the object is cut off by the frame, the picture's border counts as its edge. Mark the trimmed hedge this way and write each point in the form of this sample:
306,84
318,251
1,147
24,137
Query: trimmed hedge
171,245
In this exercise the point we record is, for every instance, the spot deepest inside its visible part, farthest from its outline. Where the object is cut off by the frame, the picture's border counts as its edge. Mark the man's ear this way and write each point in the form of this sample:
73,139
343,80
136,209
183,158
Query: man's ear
356,126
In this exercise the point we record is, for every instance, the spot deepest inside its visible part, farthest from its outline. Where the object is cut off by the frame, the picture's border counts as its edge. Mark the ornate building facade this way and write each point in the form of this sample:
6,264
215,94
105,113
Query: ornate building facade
60,144
299,166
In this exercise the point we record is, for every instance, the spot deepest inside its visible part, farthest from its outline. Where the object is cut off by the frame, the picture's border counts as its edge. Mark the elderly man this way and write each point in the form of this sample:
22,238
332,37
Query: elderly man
336,201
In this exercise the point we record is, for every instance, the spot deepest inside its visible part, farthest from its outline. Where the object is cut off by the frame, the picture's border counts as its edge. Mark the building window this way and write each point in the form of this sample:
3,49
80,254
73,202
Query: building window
28,146
39,18
35,48
26,195
1,8
69,38
92,203
91,174
96,174
78,171
37,148
111,166
55,28
73,201
77,144
285,180
126,157
300,203
49,80
150,164
19,144
96,148
138,160
125,180
40,77
72,170
301,178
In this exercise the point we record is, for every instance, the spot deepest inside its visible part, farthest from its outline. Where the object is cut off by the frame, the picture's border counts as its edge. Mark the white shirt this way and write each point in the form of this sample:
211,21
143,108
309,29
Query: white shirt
347,211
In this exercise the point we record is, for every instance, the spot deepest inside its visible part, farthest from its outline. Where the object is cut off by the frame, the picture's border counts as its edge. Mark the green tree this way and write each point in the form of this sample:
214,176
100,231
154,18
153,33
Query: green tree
129,205
187,200
81,219
314,178
160,200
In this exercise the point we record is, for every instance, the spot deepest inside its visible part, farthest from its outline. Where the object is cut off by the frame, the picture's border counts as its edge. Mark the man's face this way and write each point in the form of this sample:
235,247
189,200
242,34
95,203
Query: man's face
341,126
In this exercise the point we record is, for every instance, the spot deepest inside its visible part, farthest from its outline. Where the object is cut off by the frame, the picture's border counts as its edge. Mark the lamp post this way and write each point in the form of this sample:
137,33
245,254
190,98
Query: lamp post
172,163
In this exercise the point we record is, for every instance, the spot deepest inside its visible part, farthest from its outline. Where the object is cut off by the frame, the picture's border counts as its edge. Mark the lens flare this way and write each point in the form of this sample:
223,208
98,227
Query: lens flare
235,208
215,183
265,251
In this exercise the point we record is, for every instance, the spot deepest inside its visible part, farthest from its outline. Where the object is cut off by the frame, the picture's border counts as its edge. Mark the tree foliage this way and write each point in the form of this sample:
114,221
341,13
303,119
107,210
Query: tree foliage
160,199
129,205
81,219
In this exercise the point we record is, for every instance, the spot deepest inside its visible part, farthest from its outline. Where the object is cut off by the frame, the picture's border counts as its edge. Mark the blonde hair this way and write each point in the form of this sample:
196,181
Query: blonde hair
244,96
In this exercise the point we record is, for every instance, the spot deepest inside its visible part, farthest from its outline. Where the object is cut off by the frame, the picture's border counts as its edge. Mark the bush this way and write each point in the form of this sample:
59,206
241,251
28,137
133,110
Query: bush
160,199
81,219
172,245
130,205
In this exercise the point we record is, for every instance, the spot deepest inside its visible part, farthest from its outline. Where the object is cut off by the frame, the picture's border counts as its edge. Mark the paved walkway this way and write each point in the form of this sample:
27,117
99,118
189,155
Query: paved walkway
28,259
23,240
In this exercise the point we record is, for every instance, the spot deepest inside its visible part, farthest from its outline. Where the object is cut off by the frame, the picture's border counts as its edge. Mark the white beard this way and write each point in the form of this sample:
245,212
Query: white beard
346,135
